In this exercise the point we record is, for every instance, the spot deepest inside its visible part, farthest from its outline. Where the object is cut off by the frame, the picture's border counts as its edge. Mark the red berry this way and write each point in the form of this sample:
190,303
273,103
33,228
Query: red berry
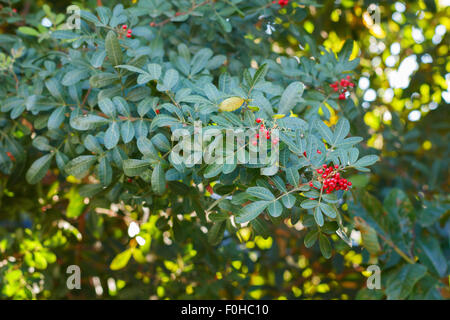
324,175
342,96
311,198
348,77
157,111
177,14
258,120
152,24
352,84
319,152
349,183
336,166
304,153
124,27
257,136
254,142
128,35
130,180
311,184
267,135
324,166
319,171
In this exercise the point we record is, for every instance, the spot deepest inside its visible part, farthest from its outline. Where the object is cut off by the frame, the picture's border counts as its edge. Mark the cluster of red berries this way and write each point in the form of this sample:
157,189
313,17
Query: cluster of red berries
342,86
282,3
331,179
265,132
129,31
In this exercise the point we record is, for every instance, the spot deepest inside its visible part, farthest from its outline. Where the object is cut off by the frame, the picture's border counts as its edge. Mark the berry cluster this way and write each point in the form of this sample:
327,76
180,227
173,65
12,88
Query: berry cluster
265,132
282,3
331,179
129,31
342,86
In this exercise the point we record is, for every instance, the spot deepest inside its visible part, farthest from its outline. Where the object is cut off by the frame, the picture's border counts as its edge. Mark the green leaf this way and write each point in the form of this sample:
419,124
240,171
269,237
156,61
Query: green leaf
292,176
430,254
261,193
325,246
56,118
121,260
154,71
161,142
42,143
251,211
215,234
112,135
104,171
162,120
311,238
200,60
55,89
97,58
260,227
260,74
330,198
318,216
309,204
170,79
366,161
325,131
113,50
341,131
134,167
328,210
131,68
288,200
226,26
213,170
275,208
73,77
103,79
80,166
28,31
401,284
39,168
127,131
122,106
290,97
158,180
146,147
88,122
91,143
107,107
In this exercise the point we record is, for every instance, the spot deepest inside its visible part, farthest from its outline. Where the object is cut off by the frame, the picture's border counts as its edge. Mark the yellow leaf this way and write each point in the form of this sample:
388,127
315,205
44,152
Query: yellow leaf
231,104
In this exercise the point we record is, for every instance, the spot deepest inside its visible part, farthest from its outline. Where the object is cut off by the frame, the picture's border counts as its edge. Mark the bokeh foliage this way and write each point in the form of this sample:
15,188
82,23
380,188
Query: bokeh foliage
399,211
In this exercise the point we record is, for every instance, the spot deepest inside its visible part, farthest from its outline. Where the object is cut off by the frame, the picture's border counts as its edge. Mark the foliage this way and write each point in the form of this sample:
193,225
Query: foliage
87,120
